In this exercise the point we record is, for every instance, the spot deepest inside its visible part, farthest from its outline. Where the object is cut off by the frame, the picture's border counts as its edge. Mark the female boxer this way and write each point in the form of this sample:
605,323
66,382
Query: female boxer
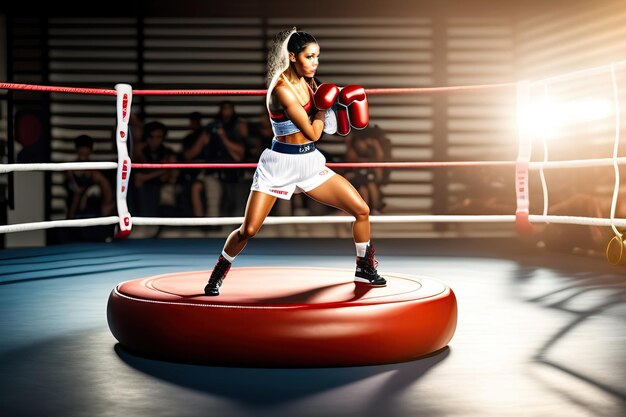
293,164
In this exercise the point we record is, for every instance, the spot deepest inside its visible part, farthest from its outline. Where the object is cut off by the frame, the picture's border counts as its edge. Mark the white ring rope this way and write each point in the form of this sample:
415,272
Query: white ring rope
26,227
615,150
578,163
59,166
583,221
63,166
280,220
427,218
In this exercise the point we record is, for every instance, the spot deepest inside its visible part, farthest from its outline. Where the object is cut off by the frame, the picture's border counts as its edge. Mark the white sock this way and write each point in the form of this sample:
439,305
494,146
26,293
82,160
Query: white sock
361,247
228,257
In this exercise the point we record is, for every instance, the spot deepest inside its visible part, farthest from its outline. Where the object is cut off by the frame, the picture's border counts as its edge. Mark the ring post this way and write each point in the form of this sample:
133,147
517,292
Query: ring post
124,100
522,223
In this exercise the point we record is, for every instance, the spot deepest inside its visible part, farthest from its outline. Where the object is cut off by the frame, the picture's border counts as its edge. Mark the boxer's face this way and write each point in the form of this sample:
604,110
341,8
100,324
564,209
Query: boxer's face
307,60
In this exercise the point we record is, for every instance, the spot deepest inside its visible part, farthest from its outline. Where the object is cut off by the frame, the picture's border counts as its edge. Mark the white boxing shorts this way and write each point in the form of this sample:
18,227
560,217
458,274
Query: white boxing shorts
287,169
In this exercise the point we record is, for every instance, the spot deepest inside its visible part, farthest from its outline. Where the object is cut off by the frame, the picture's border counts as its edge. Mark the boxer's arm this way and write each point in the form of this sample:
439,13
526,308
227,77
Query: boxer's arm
312,130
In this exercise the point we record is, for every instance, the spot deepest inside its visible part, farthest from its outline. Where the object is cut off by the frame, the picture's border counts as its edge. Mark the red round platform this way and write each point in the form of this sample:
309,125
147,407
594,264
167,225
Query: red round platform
282,317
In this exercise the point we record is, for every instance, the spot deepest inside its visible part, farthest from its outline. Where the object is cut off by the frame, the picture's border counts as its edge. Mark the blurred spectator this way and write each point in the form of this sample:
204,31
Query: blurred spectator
567,237
196,142
195,149
153,198
486,190
259,139
195,121
136,126
89,194
365,146
30,133
228,133
576,195
385,143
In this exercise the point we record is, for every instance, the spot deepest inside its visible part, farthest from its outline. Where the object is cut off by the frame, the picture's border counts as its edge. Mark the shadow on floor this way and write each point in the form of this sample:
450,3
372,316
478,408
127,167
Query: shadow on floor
270,386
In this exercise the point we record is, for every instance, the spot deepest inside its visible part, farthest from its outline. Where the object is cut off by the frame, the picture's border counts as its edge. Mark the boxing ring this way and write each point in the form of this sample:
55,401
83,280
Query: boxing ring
534,332
316,315
523,164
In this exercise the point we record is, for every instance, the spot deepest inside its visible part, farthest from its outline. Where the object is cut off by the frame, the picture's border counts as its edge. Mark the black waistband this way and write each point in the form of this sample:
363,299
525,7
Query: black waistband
290,148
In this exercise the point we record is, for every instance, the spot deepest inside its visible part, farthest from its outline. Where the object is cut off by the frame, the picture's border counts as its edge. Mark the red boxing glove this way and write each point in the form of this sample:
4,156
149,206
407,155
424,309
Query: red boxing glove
352,110
325,96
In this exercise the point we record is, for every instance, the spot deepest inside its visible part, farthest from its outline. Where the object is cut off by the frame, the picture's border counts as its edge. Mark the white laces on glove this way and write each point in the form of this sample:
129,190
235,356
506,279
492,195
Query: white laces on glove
330,122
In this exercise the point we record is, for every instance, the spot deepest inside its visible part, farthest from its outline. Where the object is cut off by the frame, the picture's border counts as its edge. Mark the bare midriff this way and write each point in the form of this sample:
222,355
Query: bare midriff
295,138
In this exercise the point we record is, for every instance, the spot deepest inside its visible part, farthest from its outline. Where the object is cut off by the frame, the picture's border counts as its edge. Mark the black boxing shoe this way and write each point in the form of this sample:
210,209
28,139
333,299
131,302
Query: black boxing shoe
217,276
366,269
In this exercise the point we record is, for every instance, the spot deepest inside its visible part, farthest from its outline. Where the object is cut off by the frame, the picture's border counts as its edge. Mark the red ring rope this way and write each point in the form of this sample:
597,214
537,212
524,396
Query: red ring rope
424,90
57,89
207,92
199,92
